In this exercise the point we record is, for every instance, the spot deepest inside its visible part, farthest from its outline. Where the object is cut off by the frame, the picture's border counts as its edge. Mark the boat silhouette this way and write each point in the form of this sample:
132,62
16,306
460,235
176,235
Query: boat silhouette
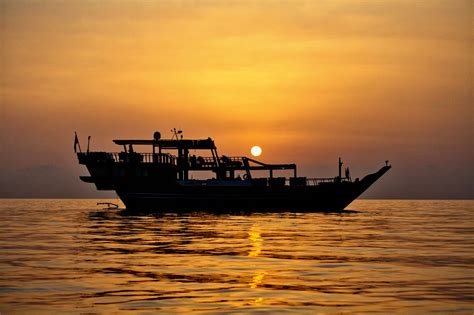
160,180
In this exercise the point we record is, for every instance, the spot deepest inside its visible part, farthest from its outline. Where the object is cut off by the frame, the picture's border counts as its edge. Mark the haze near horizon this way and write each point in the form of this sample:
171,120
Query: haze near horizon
307,81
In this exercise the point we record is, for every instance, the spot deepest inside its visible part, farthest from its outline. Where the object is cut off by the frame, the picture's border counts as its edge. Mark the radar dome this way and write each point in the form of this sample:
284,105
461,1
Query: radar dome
157,135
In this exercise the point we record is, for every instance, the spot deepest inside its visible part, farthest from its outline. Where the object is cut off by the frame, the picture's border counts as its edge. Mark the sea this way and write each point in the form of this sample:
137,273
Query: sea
70,256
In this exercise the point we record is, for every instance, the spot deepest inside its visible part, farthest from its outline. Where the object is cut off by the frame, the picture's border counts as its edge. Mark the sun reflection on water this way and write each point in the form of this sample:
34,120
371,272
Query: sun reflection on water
257,279
256,241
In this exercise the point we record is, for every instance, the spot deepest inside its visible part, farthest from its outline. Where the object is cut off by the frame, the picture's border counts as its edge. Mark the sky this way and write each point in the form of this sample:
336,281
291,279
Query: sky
308,81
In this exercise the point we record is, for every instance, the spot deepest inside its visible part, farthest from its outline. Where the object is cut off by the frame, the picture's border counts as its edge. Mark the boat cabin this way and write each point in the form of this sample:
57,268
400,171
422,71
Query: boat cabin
173,159
224,167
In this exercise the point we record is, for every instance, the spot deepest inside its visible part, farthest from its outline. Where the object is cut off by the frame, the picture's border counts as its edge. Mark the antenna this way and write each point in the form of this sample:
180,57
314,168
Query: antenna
76,143
177,134
340,167
88,142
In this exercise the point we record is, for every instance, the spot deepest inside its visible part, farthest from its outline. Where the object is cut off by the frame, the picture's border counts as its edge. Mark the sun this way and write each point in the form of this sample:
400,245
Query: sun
256,150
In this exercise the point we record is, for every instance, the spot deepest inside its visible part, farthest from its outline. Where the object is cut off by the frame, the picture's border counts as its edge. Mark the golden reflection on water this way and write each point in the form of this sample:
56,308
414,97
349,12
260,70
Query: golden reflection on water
257,279
256,240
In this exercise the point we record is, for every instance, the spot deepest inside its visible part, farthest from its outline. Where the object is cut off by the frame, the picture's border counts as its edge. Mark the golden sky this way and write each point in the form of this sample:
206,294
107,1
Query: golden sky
306,80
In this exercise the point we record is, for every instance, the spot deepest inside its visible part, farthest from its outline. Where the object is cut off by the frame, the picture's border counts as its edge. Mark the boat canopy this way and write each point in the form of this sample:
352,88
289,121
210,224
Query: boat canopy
203,144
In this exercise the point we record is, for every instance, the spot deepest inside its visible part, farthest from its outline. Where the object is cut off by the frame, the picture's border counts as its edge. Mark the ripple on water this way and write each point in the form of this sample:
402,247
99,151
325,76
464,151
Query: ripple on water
384,257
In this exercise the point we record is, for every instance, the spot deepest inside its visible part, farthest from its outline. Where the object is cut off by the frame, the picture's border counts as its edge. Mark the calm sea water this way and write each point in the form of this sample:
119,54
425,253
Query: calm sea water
70,256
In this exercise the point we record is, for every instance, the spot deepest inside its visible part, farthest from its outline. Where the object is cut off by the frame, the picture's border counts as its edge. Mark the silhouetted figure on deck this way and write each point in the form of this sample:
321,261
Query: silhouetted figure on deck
348,173
225,159
193,160
200,161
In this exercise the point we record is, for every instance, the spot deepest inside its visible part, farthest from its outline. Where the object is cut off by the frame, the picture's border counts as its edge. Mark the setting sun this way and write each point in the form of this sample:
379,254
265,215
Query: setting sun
256,150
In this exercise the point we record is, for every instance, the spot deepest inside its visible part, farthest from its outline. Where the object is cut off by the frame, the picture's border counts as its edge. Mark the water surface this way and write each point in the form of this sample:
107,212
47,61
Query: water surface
70,256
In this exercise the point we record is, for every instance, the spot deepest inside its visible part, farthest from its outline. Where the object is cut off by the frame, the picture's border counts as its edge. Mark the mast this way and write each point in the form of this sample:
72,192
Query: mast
340,169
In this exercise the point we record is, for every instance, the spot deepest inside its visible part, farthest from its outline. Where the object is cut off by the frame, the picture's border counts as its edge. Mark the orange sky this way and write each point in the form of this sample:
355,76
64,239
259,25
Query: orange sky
306,80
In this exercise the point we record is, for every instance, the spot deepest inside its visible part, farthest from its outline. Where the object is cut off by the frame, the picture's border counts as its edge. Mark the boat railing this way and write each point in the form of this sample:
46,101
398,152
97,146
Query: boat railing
317,181
162,158
232,161
210,162
133,157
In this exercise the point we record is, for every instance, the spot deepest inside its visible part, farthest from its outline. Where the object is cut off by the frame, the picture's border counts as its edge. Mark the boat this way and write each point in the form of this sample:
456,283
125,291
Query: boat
163,179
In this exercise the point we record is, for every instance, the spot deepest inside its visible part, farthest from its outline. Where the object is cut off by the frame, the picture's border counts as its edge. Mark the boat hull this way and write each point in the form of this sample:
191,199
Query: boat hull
325,197
182,202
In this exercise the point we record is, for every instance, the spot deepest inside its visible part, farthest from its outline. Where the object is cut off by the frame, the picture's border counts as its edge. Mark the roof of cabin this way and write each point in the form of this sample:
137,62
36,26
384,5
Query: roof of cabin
172,144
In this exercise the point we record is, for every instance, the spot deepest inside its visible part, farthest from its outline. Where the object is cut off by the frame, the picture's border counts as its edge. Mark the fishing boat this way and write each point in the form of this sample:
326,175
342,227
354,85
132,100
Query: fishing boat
162,179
